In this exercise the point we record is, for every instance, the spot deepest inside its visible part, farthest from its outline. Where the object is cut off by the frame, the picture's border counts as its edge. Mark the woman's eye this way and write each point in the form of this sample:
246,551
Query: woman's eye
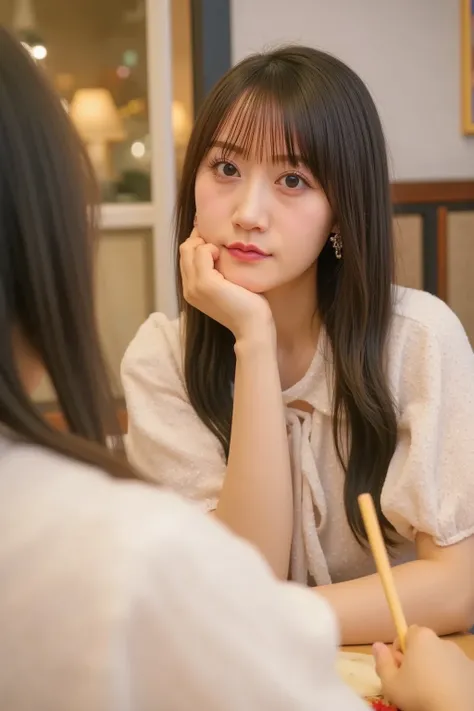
293,181
227,169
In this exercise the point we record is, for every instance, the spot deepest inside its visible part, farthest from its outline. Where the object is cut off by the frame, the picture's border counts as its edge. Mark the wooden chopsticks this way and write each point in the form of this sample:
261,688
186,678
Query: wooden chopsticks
382,562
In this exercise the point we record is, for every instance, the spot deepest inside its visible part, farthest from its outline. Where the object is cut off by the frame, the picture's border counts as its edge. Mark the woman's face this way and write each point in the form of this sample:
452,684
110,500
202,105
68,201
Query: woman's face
269,218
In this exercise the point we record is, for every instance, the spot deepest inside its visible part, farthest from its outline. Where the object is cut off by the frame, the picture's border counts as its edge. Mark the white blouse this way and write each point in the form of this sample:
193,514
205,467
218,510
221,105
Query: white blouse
429,486
118,596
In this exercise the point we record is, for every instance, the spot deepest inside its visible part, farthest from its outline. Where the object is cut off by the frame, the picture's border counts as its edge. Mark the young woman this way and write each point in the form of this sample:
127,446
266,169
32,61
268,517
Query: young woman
113,596
299,376
105,583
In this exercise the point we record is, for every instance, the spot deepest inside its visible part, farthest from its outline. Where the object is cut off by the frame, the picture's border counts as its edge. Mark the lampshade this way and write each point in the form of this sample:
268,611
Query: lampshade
181,123
96,116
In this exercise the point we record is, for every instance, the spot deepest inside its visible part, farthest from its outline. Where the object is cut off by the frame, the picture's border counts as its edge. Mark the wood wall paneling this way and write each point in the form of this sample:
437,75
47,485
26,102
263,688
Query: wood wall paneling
460,267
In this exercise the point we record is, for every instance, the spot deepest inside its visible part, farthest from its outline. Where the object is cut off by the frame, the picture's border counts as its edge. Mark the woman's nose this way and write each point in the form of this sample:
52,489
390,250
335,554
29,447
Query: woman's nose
252,210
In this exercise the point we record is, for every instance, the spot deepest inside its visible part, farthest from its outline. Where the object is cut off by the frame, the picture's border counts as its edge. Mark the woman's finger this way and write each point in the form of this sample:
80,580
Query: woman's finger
186,259
204,263
397,646
385,664
194,239
186,253
399,657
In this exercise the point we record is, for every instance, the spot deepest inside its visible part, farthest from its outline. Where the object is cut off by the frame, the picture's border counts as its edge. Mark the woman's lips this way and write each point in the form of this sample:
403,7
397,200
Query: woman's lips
247,252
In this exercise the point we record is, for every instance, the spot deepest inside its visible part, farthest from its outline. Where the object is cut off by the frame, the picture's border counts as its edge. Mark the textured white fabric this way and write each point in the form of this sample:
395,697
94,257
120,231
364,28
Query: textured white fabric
430,482
121,597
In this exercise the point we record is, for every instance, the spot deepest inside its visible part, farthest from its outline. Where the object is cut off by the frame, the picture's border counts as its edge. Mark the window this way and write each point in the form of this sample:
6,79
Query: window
130,61
95,53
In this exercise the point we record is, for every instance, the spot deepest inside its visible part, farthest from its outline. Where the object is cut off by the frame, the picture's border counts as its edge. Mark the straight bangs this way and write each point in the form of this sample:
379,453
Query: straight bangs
273,120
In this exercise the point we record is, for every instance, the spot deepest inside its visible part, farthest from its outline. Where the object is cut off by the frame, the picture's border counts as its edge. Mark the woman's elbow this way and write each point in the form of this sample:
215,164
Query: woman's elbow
460,609
467,612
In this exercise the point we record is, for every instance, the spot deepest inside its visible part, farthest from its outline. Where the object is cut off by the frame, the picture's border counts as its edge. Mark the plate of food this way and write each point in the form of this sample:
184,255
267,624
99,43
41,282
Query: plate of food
358,671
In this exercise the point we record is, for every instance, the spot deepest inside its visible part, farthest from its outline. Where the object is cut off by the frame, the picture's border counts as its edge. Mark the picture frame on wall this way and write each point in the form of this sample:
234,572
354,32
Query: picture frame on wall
467,60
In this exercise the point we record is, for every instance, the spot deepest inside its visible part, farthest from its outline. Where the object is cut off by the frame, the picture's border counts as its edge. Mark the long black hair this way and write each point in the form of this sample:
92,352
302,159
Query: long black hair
325,114
47,232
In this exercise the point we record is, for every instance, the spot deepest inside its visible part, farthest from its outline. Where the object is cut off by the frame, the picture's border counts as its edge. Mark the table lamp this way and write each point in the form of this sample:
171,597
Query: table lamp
181,131
98,122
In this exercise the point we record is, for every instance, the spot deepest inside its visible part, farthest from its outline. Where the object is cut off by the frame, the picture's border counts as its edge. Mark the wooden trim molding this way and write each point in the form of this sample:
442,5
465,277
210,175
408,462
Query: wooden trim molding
429,192
442,251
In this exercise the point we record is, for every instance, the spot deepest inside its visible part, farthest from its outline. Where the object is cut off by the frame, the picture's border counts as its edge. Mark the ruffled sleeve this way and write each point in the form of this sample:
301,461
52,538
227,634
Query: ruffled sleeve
166,440
430,483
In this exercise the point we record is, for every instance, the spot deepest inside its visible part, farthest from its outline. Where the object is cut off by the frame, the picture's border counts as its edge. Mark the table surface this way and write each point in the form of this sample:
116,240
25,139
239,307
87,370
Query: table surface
466,642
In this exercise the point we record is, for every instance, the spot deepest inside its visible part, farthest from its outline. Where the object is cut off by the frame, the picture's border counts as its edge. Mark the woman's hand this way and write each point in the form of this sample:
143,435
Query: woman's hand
432,675
241,311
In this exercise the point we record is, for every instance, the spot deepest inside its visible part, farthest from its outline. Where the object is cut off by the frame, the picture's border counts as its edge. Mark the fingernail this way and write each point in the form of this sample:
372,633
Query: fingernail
377,648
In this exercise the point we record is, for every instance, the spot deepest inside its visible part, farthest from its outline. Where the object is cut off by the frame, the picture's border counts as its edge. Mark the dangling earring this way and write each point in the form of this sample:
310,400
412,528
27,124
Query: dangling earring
336,241
195,219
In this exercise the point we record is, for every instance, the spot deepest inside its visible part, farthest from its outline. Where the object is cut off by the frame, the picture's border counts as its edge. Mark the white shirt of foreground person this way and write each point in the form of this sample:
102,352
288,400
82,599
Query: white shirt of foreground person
121,597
